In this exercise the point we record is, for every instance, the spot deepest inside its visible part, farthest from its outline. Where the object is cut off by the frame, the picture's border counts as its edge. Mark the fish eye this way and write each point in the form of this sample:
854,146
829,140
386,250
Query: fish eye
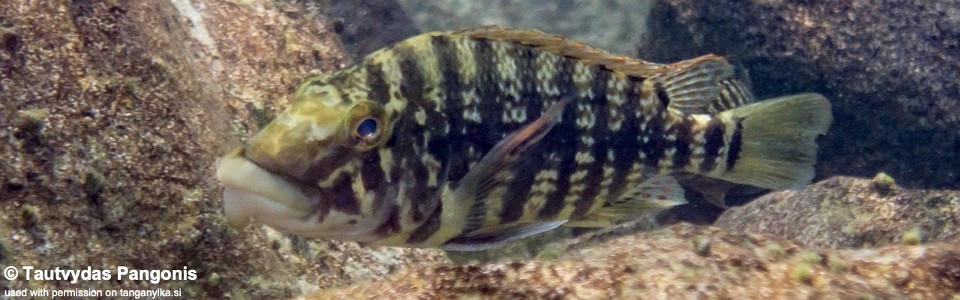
365,126
367,130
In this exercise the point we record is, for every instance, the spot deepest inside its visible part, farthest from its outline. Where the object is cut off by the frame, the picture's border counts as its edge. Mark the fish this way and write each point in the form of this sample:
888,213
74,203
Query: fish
470,139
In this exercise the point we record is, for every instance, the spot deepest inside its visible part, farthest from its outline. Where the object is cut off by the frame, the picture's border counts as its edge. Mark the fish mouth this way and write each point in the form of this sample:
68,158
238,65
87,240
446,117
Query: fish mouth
254,193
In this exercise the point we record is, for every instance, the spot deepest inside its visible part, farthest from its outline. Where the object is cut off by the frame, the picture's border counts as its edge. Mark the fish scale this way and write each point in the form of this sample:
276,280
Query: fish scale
500,83
486,135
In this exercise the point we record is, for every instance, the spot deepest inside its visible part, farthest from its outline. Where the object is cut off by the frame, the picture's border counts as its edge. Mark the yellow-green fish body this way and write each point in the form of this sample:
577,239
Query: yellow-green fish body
472,138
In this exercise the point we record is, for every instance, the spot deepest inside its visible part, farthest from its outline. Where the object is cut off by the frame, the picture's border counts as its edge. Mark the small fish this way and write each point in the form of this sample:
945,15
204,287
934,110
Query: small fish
469,139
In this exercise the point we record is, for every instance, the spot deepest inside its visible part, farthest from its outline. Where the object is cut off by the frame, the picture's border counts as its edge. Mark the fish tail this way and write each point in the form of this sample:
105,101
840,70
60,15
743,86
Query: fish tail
772,143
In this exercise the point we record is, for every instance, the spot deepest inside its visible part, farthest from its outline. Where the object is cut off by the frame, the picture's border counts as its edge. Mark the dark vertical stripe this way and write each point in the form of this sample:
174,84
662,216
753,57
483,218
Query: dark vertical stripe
370,171
625,142
563,80
662,94
419,193
439,147
713,137
527,79
453,86
735,143
655,145
373,177
379,89
396,171
598,150
392,190
452,147
449,65
682,130
601,77
406,167
342,196
564,139
412,85
488,90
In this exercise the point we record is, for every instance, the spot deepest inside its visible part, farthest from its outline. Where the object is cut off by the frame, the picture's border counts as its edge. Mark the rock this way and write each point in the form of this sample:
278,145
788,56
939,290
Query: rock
670,264
845,212
888,66
368,26
113,114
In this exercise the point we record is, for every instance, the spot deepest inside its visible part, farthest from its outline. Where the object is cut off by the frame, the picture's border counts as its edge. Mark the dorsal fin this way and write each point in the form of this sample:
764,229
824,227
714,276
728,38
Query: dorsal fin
726,95
733,93
695,85
704,84
585,53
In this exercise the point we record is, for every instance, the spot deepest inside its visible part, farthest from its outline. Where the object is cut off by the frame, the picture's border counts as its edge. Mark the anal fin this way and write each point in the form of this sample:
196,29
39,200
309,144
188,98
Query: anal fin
653,195
714,191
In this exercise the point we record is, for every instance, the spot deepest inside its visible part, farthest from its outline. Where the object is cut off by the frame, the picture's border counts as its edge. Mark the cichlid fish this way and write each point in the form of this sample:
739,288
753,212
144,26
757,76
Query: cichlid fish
469,139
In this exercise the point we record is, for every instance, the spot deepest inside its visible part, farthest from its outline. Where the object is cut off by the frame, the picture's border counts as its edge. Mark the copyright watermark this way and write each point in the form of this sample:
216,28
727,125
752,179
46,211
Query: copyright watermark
120,273
10,273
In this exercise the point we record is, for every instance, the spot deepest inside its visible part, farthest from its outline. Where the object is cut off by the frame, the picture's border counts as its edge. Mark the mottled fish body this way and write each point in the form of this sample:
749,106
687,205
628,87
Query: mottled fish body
472,138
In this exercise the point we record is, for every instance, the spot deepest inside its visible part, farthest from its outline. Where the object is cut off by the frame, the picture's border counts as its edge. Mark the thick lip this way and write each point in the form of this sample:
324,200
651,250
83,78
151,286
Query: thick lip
252,192
240,175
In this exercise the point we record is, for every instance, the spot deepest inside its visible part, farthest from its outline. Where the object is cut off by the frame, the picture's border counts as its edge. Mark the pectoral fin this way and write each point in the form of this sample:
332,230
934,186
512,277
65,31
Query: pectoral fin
500,237
470,195
654,195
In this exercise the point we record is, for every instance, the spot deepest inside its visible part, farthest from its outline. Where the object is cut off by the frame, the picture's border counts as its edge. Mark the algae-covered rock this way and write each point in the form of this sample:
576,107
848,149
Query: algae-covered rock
888,66
846,212
670,264
113,114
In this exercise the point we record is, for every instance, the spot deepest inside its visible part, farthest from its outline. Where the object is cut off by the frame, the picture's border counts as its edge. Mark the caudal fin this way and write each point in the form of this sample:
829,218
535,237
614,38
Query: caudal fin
773,142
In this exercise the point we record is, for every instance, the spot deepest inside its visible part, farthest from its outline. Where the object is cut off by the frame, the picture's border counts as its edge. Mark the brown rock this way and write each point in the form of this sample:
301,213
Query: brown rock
670,264
845,212
112,116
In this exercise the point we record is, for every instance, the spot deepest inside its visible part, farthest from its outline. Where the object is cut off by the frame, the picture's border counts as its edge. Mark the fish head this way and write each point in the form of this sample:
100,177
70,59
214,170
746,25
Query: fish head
321,128
298,173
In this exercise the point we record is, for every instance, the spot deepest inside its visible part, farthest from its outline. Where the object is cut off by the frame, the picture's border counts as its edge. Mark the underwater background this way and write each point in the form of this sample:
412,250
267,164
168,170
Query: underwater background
113,113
